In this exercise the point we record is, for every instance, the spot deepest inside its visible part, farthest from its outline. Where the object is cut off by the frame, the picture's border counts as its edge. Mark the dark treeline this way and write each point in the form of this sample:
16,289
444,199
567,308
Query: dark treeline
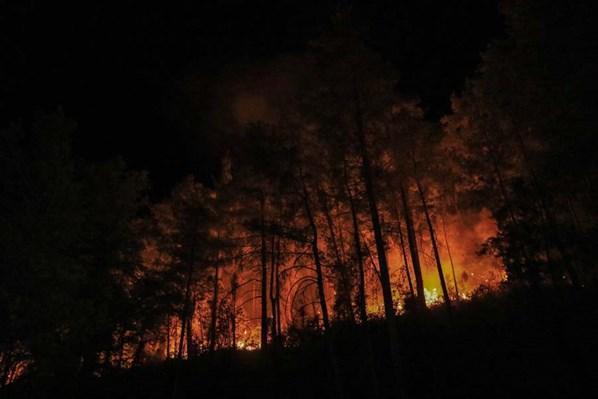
328,212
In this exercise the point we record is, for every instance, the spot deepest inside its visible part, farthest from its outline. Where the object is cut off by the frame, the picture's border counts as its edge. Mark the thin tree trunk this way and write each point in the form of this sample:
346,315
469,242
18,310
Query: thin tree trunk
358,254
448,250
320,284
264,281
139,351
274,330
403,251
168,337
340,264
185,312
383,263
234,286
316,255
214,308
419,280
277,276
190,349
445,293
121,351
182,337
373,204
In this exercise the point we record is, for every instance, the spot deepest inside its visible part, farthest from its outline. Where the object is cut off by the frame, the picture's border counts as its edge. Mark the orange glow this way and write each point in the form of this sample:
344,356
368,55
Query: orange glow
299,303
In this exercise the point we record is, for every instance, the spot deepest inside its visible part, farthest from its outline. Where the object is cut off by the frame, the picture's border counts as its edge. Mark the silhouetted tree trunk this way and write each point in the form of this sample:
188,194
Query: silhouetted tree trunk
445,294
403,251
382,261
278,319
373,204
419,280
448,251
264,282
121,348
321,293
190,346
234,287
273,273
185,312
214,308
340,264
139,351
316,255
168,336
358,254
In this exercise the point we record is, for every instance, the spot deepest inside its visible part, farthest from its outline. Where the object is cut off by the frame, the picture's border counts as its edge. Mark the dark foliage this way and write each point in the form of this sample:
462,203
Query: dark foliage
516,343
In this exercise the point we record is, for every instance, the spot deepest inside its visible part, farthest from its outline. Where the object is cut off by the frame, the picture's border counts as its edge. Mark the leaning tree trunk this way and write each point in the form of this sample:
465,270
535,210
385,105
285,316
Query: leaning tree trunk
419,280
321,294
373,204
316,255
403,251
445,293
382,261
448,251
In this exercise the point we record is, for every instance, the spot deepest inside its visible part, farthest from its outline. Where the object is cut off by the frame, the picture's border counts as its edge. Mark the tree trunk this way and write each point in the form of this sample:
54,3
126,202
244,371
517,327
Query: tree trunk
168,337
273,272
185,312
214,308
345,287
316,255
190,348
358,254
445,293
320,284
403,251
139,351
383,264
419,280
264,281
448,251
373,204
276,275
234,286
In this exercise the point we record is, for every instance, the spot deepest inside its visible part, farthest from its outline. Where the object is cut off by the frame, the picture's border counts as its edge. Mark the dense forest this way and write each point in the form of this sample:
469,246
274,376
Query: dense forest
349,245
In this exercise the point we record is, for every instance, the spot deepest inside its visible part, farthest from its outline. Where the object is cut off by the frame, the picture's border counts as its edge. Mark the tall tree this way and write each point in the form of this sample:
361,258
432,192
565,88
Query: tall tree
186,237
514,121
67,249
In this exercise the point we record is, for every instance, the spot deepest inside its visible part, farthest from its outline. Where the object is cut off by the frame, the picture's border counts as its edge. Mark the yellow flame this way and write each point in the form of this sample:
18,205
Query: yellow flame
432,297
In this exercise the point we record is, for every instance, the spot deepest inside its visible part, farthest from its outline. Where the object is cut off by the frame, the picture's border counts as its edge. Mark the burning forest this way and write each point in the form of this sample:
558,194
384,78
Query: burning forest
340,237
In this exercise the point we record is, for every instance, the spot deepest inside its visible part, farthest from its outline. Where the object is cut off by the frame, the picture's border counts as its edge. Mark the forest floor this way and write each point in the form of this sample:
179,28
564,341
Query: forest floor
516,343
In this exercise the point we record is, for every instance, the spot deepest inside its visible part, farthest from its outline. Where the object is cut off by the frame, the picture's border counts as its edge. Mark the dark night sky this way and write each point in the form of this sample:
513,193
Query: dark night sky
119,70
